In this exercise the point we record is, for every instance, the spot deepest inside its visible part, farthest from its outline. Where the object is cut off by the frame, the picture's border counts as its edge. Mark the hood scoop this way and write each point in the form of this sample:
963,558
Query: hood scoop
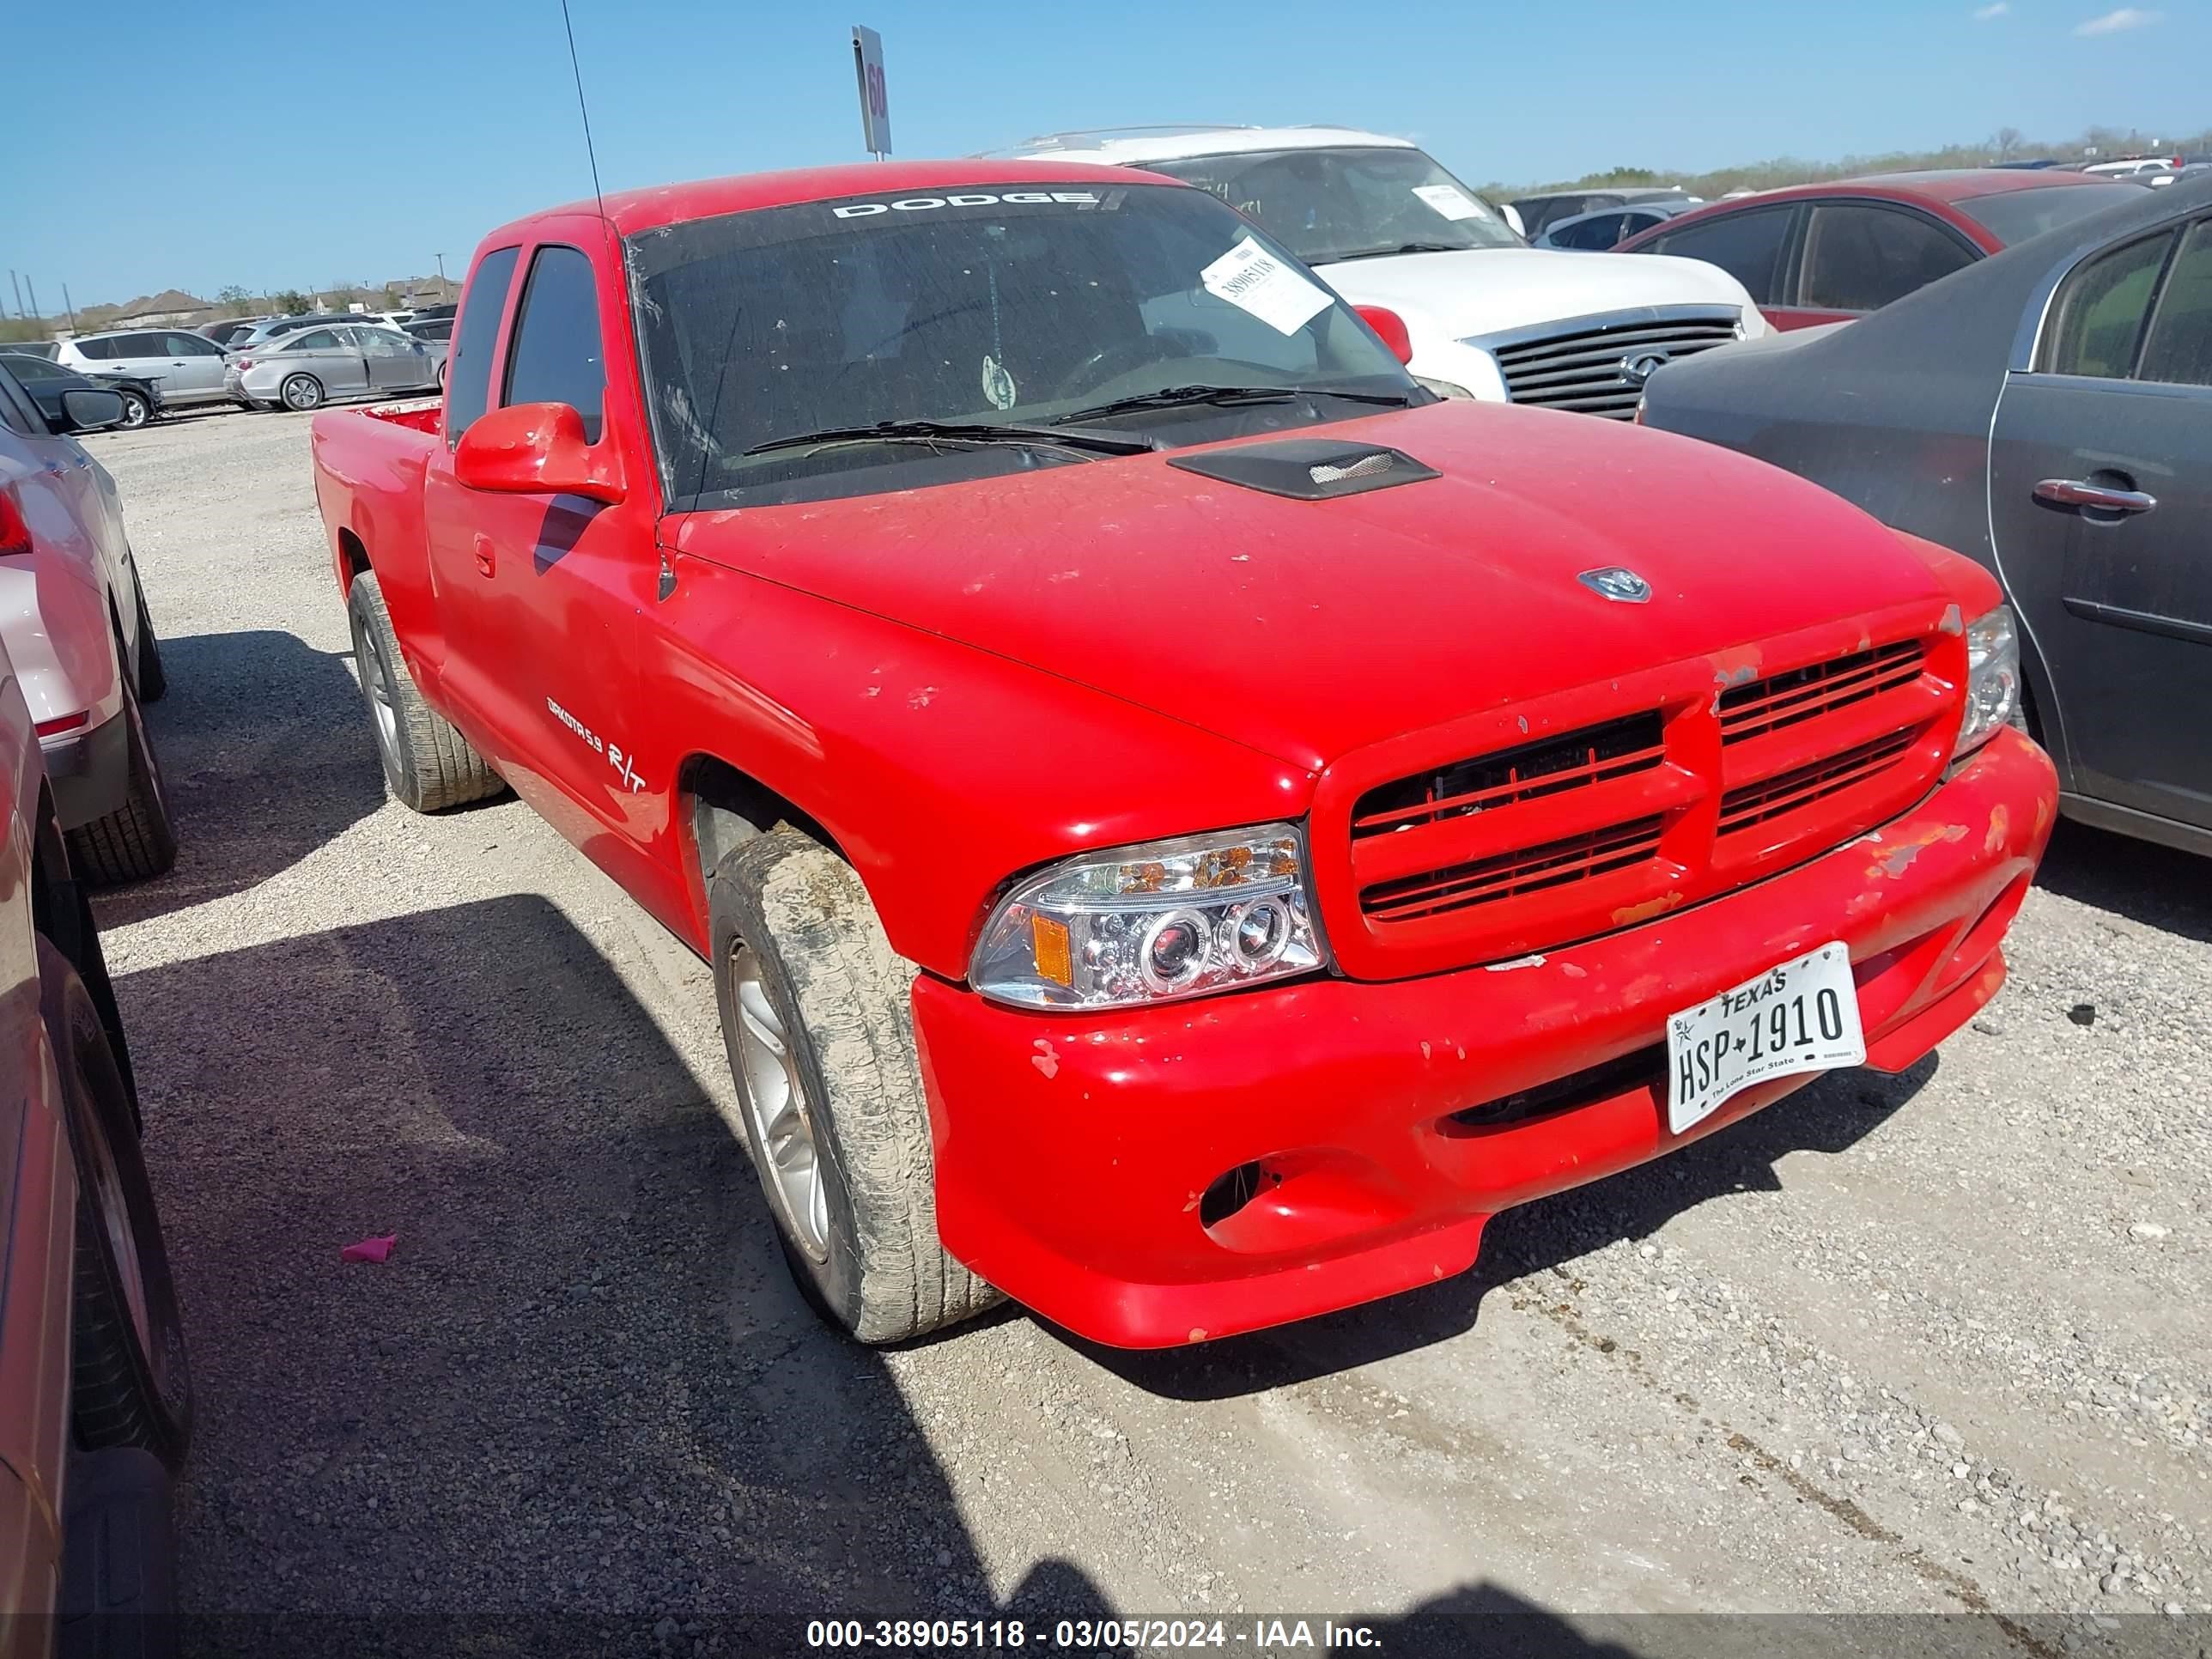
1308,469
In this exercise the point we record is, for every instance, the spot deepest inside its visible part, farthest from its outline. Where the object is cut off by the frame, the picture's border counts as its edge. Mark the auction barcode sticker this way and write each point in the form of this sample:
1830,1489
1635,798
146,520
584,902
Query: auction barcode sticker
1255,280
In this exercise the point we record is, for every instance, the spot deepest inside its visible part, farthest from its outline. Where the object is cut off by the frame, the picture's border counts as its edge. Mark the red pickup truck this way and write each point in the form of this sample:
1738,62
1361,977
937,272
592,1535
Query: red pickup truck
1186,824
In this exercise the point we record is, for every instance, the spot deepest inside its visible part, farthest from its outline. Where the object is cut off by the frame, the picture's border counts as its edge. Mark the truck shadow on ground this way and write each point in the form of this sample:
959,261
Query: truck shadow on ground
1829,1115
267,754
2159,886
582,1381
581,1388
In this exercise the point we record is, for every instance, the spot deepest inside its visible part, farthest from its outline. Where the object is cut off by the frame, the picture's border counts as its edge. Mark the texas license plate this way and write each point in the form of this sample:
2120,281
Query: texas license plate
1802,1016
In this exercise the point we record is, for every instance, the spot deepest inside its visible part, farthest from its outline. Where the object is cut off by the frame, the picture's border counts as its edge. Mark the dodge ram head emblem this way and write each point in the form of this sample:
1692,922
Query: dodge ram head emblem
1614,582
1638,367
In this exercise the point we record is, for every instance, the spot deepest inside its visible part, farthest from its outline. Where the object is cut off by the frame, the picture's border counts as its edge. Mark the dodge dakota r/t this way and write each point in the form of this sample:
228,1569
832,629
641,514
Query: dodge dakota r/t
1185,823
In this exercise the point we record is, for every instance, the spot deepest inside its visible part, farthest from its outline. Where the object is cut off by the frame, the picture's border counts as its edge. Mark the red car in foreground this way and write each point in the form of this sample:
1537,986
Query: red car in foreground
95,1400
1186,824
1826,253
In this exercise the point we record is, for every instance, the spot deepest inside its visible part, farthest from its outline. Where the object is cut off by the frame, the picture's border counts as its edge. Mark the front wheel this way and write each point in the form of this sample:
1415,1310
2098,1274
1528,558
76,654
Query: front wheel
303,393
130,1383
818,1028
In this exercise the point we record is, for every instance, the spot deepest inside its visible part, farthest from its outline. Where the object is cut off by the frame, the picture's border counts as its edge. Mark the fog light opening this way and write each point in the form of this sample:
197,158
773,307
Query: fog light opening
1232,1192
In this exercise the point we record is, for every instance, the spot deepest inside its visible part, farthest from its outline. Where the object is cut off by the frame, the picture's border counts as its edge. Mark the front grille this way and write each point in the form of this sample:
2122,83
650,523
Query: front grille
1586,366
1574,761
1806,694
1756,803
1508,875
1490,853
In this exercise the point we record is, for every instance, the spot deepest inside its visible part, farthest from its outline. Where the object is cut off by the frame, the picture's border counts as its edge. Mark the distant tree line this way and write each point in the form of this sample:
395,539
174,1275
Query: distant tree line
2006,144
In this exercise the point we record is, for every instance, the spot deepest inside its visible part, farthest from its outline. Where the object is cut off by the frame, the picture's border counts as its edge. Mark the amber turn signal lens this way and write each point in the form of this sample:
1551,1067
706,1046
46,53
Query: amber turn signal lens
1048,943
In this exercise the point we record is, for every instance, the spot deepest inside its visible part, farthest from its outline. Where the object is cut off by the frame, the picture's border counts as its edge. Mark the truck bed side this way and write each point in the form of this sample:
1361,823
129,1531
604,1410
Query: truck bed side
368,468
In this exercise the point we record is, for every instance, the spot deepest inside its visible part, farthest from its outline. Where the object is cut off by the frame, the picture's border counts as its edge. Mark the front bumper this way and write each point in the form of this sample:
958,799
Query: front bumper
90,771
1074,1153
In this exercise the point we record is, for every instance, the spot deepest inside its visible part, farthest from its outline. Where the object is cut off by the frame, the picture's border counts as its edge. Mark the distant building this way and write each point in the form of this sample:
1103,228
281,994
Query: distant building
171,308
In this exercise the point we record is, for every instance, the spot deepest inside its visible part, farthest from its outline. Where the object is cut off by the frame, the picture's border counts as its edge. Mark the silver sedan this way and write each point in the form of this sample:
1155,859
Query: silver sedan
344,360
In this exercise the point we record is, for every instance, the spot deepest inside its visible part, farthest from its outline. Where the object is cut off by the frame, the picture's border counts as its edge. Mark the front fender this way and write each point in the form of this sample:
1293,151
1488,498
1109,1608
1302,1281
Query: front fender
940,770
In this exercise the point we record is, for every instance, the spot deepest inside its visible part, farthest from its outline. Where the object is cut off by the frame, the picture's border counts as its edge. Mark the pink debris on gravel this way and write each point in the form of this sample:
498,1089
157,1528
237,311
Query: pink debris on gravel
369,1250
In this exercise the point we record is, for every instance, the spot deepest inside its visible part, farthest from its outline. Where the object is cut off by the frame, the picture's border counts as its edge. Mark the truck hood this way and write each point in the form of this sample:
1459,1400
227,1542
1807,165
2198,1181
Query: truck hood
1482,291
1308,629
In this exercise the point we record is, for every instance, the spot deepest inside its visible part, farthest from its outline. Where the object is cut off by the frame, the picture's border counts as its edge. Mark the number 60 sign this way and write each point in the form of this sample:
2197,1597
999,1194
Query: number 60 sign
875,97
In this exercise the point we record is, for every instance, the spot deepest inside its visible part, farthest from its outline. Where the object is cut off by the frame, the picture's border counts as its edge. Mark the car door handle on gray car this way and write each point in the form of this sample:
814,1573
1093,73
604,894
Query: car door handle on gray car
2074,492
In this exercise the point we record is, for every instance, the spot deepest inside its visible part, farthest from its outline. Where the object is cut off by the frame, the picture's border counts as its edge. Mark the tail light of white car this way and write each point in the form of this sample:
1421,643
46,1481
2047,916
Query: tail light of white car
14,533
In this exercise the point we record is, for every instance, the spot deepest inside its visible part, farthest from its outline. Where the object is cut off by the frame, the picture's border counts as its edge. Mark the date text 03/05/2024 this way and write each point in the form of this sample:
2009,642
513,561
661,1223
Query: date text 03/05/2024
1256,1635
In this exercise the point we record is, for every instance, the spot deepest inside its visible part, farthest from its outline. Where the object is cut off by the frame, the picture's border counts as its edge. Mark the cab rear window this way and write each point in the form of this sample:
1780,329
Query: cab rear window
468,373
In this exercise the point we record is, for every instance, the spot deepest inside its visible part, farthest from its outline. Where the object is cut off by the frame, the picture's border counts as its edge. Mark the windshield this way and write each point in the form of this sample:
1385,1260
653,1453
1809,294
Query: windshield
1327,204
2013,215
990,306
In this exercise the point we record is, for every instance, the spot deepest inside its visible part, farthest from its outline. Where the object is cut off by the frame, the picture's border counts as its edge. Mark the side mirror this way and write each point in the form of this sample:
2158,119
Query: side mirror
1390,328
535,449
91,408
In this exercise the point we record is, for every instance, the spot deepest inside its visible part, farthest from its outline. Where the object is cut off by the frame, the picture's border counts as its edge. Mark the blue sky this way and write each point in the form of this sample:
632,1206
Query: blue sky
292,145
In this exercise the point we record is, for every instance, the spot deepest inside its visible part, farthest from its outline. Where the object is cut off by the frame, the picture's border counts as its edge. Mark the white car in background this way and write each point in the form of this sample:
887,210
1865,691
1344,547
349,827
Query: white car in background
1489,317
73,618
187,366
2133,166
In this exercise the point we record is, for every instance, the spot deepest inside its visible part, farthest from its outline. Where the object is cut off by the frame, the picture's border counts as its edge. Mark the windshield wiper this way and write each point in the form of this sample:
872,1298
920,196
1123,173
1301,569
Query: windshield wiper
973,432
1175,397
1385,253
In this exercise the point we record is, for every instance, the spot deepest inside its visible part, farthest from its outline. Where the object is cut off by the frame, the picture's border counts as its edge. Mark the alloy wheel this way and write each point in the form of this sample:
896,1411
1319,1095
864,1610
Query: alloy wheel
773,1092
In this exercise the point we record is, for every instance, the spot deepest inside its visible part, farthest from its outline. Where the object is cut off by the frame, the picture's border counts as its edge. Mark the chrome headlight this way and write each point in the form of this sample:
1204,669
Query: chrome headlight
1992,678
1153,923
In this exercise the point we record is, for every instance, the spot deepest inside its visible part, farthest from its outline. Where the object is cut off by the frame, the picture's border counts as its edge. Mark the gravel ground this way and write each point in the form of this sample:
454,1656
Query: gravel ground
1925,1344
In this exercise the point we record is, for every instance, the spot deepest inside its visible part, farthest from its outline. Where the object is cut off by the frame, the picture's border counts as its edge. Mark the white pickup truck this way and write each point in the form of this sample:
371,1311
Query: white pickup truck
1490,317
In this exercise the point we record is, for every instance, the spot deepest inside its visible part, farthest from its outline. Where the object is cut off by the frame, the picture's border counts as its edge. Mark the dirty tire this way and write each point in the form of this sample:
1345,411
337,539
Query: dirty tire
137,410
153,678
842,995
301,393
427,765
137,841
130,1384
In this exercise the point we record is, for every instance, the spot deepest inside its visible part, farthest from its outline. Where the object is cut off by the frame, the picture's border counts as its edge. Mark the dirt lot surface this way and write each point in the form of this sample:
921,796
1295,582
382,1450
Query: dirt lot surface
1933,1343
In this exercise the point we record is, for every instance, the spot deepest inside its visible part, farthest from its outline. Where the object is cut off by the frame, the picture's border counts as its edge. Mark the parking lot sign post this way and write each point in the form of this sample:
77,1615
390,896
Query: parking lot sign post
875,98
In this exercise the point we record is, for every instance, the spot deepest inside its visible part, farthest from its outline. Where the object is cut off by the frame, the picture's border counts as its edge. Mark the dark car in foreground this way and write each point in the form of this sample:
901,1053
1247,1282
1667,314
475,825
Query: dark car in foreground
46,380
1826,253
2049,414
96,1401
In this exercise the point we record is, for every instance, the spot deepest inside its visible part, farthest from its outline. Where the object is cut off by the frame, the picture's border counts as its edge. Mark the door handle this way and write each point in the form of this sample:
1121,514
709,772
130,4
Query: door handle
485,563
2074,492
